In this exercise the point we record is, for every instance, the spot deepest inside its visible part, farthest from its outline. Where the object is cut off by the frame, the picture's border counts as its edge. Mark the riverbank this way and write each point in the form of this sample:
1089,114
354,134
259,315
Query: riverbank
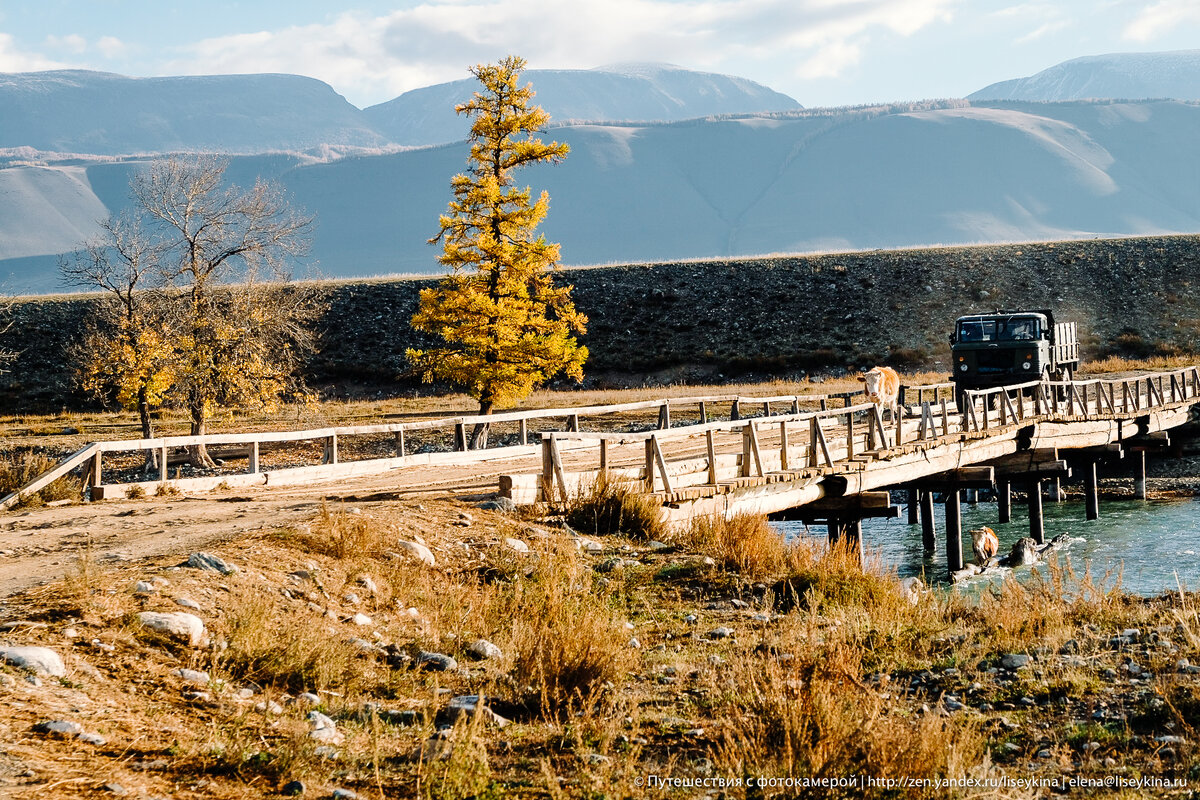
349,653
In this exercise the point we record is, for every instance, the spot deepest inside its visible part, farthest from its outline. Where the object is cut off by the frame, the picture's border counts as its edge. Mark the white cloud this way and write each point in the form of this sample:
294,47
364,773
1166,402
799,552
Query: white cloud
14,60
72,42
110,46
375,58
1162,17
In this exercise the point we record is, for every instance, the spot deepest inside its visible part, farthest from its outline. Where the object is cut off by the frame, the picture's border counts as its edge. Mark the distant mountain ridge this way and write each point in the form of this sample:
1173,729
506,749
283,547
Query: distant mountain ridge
78,111
612,93
1123,76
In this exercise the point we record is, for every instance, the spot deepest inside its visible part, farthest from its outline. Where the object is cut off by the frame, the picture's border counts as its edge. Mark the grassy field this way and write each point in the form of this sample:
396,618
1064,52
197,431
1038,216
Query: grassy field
639,670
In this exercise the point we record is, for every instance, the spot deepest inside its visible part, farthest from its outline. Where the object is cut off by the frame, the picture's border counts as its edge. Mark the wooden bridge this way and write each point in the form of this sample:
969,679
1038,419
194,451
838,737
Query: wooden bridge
825,466
820,458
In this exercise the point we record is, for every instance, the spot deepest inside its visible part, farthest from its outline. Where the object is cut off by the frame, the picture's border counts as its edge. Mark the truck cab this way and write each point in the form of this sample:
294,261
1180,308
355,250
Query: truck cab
1008,347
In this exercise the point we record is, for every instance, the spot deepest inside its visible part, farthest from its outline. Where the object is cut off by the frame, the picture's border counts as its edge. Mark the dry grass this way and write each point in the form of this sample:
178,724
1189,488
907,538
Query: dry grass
745,544
612,508
569,640
835,578
19,467
270,646
1123,364
813,717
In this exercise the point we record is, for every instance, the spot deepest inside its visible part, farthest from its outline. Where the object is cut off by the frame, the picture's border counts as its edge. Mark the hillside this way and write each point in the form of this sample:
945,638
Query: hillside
757,318
887,177
77,111
617,92
1127,76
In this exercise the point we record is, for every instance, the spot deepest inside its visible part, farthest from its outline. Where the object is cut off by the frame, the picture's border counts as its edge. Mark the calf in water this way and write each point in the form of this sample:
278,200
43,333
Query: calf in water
985,544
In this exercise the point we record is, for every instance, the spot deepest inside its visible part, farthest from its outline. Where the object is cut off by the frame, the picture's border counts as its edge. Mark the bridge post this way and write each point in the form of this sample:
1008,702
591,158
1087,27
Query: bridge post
1091,491
1037,528
954,549
853,534
1057,493
972,497
834,528
1139,475
912,505
928,527
1004,502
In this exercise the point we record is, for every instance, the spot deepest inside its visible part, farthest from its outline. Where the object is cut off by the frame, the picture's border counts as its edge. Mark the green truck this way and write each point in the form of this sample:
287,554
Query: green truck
1007,347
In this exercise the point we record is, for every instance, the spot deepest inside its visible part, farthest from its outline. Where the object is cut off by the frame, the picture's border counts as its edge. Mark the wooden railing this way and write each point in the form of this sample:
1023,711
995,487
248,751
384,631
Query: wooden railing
90,459
822,438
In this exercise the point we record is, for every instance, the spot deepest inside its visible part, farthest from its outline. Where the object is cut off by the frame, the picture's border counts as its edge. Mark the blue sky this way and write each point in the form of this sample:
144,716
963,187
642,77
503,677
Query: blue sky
821,52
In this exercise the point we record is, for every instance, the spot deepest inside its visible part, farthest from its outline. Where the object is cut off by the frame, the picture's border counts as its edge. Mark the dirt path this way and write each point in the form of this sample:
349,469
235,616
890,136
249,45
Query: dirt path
44,544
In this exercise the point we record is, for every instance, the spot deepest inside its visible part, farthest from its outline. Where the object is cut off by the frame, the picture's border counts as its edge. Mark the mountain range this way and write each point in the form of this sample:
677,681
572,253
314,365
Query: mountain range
722,178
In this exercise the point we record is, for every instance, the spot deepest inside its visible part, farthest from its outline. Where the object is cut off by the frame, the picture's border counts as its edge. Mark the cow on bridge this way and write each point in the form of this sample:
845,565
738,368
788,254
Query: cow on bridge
985,544
882,387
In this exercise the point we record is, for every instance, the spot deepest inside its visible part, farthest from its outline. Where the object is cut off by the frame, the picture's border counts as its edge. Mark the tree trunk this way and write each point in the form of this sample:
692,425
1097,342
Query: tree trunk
479,435
147,430
198,453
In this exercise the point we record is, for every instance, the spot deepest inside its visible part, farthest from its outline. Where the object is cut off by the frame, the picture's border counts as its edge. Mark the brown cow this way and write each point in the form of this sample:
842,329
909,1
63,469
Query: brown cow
882,387
985,544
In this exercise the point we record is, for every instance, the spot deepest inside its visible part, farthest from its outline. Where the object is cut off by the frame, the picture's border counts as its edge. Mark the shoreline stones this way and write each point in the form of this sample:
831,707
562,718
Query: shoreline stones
484,650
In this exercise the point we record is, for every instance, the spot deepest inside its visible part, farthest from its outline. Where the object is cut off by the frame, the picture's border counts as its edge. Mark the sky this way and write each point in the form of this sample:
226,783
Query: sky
820,52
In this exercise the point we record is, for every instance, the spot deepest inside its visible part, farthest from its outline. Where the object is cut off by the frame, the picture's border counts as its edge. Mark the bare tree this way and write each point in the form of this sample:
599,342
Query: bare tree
218,257
128,348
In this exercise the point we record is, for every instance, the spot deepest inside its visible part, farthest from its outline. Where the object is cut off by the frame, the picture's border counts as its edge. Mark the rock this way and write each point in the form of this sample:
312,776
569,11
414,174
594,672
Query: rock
720,633
467,706
502,504
1069,647
1009,747
516,545
691,619
292,789
115,788
658,547
588,545
178,625
59,727
351,599
634,643
323,728
344,794
211,563
192,676
435,662
308,698
595,759
144,588
1170,740
366,582
40,660
483,650
362,619
1024,553
92,739
418,551
1014,661
187,602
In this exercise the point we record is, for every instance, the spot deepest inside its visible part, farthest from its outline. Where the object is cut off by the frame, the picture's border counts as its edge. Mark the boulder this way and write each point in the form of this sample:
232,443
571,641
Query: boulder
178,625
211,563
40,660
419,552
483,650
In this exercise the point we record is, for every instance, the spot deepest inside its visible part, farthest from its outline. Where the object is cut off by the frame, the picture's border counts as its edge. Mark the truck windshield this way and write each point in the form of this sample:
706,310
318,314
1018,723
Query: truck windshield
1000,329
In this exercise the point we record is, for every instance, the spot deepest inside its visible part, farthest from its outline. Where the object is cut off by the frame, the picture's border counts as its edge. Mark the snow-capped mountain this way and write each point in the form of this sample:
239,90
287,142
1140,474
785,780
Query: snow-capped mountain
1125,76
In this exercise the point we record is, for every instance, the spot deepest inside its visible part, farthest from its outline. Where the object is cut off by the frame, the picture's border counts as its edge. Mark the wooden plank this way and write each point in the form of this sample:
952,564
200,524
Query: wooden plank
547,469
252,460
524,432
817,439
651,442
556,463
69,463
752,430
712,458
662,465
783,445
604,455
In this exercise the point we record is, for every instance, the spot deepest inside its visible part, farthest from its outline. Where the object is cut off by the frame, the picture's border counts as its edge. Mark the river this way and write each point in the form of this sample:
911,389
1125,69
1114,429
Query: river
1152,544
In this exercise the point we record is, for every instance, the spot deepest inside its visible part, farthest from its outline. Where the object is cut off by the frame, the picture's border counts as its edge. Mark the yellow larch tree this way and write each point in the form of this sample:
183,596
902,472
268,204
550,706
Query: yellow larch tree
507,326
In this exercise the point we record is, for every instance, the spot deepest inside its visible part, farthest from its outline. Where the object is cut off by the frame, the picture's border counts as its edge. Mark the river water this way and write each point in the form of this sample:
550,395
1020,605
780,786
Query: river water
1153,545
